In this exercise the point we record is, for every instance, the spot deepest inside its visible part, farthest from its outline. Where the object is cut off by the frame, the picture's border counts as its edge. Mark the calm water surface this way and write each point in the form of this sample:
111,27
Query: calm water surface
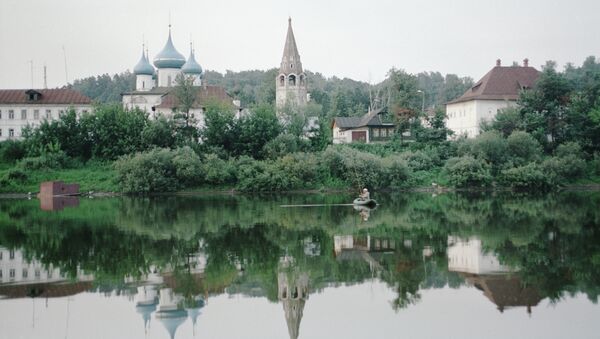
418,266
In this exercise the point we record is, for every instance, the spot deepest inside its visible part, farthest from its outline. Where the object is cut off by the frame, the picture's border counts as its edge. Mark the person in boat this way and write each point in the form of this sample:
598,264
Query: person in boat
365,194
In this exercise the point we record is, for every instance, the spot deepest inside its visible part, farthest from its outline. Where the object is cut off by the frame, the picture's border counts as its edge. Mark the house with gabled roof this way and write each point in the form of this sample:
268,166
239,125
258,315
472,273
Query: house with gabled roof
497,90
367,128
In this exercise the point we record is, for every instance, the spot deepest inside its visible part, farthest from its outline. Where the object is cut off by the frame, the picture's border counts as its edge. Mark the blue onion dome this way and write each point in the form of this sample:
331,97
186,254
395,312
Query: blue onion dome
191,66
169,57
143,66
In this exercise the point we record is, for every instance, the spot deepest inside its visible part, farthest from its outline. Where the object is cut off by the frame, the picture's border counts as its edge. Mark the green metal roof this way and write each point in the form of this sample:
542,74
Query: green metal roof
169,57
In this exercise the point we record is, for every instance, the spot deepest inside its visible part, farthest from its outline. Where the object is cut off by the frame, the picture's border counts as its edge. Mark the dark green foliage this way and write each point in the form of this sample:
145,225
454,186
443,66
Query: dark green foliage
256,130
506,121
528,177
47,160
217,171
104,88
158,170
491,147
283,144
11,151
467,171
160,132
523,148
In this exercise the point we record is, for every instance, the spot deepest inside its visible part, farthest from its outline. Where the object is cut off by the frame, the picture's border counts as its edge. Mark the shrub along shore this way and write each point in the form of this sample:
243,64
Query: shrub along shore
550,140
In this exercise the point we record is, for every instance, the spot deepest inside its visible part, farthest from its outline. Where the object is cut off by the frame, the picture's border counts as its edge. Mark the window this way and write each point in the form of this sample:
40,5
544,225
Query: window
36,114
302,80
48,114
11,114
1,253
50,274
0,132
0,114
376,132
25,273
11,254
11,132
23,114
292,80
61,112
291,65
281,81
11,273
38,274
0,274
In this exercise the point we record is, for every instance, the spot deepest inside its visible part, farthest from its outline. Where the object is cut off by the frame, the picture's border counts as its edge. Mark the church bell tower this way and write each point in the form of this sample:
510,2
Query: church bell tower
291,82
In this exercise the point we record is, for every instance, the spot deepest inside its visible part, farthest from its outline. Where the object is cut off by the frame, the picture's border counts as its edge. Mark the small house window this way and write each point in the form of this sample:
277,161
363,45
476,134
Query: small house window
23,114
25,273
0,136
11,133
48,114
38,274
0,114
11,114
11,273
36,114
1,253
11,254
0,274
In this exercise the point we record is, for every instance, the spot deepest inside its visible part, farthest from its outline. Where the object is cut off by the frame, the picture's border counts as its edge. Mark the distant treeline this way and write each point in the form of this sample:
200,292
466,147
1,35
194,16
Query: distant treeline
331,96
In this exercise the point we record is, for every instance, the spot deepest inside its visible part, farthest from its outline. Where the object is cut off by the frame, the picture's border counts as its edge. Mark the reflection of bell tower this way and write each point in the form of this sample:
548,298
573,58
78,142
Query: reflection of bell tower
293,293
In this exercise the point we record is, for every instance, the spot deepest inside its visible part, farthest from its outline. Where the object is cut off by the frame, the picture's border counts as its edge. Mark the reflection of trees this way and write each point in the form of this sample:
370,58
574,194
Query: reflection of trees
552,240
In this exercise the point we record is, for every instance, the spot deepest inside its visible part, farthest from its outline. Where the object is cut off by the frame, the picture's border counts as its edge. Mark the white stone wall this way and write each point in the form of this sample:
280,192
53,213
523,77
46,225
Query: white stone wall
144,82
167,76
32,115
198,114
464,118
144,102
468,256
297,93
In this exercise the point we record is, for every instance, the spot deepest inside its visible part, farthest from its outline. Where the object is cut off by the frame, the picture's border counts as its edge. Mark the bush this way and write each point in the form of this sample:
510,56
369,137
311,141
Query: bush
11,151
560,170
283,144
418,160
54,160
158,170
398,171
16,175
217,171
528,177
188,167
467,171
569,149
491,147
523,148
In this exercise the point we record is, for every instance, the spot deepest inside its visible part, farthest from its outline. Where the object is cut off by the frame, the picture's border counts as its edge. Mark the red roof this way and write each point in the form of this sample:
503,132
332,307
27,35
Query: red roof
205,93
46,96
501,83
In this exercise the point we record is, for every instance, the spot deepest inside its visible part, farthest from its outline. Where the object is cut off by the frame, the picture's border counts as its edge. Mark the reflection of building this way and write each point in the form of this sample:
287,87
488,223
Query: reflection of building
20,277
484,271
292,286
367,248
170,311
468,256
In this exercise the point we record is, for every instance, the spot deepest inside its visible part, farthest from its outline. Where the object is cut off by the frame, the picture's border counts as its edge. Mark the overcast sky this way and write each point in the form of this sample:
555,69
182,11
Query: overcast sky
361,40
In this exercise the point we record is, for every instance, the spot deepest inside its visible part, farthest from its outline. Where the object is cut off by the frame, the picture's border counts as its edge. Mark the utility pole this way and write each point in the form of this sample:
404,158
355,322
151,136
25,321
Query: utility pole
31,71
45,78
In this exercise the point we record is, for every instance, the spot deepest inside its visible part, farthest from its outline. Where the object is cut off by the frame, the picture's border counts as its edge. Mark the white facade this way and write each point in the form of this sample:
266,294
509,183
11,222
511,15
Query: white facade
15,269
464,118
143,101
345,136
167,76
144,82
14,118
468,256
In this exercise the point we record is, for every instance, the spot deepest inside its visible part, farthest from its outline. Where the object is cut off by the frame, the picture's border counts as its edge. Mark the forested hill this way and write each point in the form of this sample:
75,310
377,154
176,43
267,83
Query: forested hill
330,96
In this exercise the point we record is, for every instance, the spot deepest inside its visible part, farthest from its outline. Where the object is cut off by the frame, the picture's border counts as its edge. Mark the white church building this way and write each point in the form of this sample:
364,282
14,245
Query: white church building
155,84
497,90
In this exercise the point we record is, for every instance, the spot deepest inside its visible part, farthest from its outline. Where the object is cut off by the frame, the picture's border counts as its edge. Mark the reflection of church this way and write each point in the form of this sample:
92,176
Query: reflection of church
501,285
292,286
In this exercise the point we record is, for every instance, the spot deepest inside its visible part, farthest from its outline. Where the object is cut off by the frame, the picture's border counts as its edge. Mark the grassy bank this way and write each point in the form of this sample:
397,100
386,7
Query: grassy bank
98,178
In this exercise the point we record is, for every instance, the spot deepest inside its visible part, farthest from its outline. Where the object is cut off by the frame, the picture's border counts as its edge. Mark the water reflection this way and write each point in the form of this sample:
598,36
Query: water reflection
170,256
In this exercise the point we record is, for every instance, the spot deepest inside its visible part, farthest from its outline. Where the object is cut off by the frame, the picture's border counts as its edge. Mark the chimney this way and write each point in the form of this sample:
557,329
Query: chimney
526,62
498,63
